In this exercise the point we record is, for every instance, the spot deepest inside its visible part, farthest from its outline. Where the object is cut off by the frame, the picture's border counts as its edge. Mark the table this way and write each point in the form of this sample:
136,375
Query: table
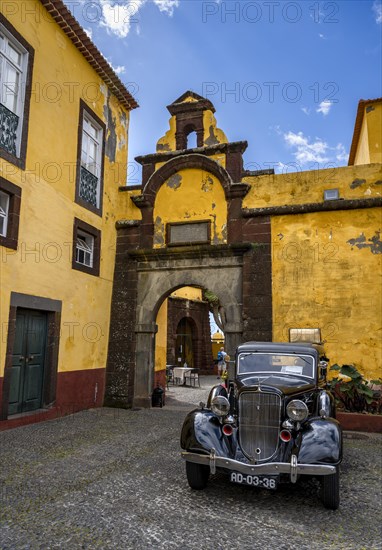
179,373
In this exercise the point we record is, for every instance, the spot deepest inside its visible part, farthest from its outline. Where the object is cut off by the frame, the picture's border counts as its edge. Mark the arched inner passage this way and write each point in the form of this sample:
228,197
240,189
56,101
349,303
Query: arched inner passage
157,280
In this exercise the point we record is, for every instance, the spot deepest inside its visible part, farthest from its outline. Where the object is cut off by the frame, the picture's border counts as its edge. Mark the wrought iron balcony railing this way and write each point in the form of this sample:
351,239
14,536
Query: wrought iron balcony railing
88,187
8,129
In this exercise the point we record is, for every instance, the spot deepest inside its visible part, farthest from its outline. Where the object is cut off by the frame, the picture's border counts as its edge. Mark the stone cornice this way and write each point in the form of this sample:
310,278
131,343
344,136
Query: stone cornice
164,156
327,206
190,251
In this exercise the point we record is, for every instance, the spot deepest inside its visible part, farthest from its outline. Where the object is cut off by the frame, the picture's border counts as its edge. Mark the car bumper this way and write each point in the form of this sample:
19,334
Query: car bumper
271,468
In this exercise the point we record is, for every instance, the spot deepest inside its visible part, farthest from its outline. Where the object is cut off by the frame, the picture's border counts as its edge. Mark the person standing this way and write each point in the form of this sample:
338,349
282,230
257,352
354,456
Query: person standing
221,361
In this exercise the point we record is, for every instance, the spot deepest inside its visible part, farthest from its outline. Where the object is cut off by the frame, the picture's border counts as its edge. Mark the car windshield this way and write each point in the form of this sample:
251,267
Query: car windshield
292,364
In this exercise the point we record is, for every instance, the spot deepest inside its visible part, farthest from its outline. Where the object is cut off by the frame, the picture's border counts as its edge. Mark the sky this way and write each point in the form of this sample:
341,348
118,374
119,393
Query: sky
285,76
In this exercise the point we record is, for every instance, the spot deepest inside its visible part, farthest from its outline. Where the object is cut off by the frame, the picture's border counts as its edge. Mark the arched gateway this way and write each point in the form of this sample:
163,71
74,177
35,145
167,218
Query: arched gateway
189,230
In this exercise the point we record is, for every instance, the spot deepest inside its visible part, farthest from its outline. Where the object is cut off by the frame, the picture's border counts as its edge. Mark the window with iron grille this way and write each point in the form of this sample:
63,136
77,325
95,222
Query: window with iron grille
16,58
90,166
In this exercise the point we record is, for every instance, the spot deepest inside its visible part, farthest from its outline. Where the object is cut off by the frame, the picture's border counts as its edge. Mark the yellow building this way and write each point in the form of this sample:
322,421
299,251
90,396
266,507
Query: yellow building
279,251
64,117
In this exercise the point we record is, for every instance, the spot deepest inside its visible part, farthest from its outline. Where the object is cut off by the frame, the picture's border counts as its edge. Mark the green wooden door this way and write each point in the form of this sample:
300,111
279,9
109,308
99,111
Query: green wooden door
27,373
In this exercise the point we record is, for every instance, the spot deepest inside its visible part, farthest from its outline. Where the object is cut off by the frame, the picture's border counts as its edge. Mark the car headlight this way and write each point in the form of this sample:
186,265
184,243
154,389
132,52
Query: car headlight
297,410
220,405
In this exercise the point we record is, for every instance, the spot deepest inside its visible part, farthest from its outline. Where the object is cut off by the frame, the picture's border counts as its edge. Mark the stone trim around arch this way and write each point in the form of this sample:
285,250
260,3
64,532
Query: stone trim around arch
195,160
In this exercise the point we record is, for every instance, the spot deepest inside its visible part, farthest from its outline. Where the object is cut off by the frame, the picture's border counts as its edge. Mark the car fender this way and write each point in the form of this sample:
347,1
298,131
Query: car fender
321,442
202,432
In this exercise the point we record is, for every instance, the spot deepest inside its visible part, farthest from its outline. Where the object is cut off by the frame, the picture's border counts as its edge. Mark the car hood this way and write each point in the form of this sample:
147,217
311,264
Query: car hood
288,385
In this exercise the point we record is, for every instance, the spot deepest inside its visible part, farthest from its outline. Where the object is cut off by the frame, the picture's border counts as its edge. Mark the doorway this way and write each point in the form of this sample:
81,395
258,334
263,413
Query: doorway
184,346
28,361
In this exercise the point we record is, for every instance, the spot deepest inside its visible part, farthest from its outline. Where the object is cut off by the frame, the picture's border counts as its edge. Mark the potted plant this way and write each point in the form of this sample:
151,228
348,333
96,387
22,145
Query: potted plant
359,401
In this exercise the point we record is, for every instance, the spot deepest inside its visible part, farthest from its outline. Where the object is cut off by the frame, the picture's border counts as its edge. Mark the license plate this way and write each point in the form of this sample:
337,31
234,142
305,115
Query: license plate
264,482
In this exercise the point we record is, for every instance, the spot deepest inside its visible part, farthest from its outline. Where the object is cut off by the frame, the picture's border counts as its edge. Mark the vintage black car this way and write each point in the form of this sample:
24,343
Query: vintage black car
274,421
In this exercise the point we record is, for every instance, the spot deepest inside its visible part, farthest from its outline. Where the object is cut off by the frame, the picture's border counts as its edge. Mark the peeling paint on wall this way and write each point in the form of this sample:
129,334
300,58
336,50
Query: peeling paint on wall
212,139
175,181
159,231
207,184
374,244
111,139
163,147
357,183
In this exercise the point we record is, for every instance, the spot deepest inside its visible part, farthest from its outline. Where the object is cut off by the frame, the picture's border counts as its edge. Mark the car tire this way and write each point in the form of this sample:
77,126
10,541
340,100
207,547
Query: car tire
197,475
330,490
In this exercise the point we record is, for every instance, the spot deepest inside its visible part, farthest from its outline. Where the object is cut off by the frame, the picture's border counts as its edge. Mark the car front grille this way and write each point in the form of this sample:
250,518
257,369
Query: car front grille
259,427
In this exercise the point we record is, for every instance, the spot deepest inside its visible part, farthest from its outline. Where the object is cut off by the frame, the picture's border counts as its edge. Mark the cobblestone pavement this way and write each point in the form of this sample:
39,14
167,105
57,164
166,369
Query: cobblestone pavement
114,479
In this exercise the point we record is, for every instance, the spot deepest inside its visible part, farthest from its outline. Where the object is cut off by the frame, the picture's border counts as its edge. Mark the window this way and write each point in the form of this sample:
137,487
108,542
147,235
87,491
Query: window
86,248
10,200
4,210
16,58
90,152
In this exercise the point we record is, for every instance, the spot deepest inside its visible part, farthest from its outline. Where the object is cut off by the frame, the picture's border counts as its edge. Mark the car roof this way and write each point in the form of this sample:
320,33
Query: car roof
279,347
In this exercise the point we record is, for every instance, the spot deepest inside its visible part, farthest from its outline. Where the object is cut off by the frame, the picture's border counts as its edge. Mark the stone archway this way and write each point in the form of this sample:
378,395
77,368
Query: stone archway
207,241
159,274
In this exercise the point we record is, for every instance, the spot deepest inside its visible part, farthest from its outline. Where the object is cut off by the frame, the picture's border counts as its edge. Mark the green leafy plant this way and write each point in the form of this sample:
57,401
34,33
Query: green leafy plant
356,394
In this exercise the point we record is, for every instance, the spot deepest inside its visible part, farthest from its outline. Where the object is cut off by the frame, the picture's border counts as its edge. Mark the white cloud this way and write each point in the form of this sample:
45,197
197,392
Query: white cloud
306,110
89,32
306,150
341,153
118,17
377,9
322,36
324,107
118,69
167,6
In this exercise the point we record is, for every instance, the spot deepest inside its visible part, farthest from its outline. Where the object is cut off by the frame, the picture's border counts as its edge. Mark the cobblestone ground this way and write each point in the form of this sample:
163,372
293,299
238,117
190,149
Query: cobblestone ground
114,479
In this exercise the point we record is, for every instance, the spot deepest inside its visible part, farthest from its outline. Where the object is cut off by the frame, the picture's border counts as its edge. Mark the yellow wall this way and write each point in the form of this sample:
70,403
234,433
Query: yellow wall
42,264
319,278
369,147
322,279
190,195
353,182
188,293
161,338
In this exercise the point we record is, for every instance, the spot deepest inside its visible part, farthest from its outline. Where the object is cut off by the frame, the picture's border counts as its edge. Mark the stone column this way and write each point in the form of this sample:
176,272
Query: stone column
144,367
233,333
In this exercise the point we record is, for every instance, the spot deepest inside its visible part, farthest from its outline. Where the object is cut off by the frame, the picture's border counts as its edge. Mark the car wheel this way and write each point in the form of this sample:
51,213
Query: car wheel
330,490
197,475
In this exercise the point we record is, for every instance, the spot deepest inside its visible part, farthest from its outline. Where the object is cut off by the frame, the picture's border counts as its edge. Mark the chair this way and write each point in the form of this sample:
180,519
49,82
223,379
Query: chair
193,377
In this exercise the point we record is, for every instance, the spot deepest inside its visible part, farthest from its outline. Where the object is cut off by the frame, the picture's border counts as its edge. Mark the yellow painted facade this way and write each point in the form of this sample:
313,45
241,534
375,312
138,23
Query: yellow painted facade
42,264
320,279
369,147
192,195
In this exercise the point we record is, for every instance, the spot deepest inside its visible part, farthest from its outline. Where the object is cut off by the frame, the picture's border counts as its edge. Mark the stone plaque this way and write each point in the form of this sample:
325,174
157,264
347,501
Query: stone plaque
189,233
